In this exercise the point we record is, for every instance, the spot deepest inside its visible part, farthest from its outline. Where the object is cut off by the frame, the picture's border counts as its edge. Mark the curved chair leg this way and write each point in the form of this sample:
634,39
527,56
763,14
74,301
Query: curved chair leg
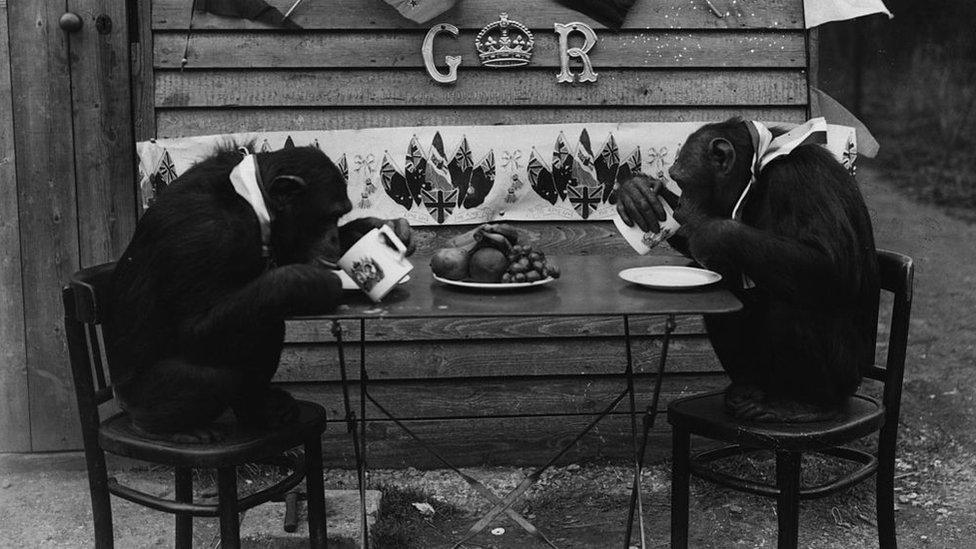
101,500
230,521
680,474
184,522
315,494
885,498
788,501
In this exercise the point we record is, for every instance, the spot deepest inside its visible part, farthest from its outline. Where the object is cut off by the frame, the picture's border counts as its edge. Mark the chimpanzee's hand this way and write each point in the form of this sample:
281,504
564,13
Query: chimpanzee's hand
639,200
403,231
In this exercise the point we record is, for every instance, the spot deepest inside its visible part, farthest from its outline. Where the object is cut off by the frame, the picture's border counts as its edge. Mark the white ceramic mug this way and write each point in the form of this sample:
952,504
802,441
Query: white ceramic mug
377,262
641,241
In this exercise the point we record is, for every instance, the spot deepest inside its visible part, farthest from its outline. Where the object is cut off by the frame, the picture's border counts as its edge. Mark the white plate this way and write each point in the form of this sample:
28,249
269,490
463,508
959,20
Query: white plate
492,285
348,284
670,277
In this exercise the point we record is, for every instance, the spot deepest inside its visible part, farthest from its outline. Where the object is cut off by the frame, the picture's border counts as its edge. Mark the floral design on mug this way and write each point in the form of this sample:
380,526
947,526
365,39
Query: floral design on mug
366,273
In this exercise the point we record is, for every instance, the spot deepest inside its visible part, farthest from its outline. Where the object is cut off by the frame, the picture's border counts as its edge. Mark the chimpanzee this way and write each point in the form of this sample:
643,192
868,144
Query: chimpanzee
795,351
200,294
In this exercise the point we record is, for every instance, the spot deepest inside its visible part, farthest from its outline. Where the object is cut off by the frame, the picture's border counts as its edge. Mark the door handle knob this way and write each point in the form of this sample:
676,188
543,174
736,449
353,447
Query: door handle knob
70,22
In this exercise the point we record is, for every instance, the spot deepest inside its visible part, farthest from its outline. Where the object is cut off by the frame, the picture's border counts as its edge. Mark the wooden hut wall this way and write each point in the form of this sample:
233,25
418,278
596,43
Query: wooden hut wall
486,390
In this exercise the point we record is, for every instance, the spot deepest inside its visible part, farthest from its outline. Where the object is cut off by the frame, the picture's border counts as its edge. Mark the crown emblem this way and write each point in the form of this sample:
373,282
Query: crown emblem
504,43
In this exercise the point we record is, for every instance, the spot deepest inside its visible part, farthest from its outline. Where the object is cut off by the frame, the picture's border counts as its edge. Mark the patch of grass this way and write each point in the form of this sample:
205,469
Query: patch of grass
925,166
400,525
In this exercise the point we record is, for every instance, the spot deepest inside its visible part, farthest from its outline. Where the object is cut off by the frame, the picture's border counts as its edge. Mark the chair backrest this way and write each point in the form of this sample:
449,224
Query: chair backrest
85,298
897,273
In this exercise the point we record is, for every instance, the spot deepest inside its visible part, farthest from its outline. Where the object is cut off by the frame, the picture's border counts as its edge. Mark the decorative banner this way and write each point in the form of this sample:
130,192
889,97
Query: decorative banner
456,175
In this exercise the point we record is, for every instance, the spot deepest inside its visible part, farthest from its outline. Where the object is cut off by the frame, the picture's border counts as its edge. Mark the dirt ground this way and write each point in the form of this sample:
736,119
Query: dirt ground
585,506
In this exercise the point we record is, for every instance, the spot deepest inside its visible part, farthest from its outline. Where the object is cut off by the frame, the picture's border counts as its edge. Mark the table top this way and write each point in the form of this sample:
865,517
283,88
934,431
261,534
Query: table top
589,286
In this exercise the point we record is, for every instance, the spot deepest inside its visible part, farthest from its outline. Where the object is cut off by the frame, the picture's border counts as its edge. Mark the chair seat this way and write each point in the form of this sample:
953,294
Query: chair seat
238,446
706,415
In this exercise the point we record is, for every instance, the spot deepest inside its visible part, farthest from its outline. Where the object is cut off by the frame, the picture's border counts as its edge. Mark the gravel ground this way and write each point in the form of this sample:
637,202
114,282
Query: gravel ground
584,506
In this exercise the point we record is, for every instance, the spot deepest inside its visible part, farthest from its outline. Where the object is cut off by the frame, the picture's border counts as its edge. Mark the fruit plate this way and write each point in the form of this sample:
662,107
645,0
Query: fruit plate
670,277
494,286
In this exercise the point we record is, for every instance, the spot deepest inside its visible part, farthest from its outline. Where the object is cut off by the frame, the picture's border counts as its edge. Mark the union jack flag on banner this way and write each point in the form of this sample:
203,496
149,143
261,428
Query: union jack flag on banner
343,166
440,204
584,199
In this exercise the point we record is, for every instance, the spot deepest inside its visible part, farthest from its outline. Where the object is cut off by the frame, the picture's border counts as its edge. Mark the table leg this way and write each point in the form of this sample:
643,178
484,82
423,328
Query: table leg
638,460
363,379
650,415
351,428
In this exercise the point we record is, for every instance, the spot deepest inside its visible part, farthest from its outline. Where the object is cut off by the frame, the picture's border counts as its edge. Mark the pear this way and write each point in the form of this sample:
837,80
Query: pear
450,263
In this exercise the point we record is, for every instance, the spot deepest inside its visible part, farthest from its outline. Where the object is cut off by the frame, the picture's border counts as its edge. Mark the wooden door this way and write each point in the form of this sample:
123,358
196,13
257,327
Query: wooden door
74,189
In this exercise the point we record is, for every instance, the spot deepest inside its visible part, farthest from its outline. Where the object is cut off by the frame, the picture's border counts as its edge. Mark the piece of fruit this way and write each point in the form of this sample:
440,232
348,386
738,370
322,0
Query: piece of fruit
520,277
532,276
450,263
494,240
508,231
487,265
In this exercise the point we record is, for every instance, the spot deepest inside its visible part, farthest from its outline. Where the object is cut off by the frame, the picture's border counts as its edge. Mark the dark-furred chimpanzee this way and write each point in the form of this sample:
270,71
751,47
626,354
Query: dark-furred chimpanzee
200,295
796,350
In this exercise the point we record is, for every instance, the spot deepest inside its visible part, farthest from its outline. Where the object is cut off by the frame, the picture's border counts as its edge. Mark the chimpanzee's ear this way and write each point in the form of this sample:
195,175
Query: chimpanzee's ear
721,154
285,187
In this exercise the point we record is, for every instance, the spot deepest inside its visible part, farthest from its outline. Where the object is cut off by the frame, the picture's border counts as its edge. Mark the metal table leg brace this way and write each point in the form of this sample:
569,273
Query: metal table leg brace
503,505
650,414
359,439
351,422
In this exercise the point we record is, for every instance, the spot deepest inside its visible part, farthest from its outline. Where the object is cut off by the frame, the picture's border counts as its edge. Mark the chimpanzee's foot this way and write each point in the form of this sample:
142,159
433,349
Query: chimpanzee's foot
751,403
744,400
280,407
781,410
199,435
275,407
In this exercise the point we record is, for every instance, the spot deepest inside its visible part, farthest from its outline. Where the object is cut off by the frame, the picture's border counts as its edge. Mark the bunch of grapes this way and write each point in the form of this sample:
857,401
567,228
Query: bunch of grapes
527,265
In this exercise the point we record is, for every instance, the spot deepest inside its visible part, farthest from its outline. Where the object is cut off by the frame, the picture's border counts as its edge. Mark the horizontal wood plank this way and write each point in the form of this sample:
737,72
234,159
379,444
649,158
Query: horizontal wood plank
522,441
483,398
348,50
439,329
536,14
368,87
514,357
207,121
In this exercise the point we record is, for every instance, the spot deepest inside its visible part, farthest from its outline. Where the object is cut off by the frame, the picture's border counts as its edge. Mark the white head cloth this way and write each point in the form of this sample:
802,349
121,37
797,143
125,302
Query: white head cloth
247,182
768,149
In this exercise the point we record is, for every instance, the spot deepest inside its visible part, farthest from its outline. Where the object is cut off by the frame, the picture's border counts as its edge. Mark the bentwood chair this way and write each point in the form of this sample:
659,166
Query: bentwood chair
705,415
85,314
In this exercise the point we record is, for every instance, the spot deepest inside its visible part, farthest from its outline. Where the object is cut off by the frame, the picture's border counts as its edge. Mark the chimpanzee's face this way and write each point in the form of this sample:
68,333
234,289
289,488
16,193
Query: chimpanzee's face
308,195
707,172
692,172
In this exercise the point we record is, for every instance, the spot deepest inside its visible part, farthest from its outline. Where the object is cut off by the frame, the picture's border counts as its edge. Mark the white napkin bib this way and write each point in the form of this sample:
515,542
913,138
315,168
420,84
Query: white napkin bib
768,149
245,178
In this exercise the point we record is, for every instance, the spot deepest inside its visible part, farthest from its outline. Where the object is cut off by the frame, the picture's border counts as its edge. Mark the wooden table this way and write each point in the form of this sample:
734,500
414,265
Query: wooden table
589,287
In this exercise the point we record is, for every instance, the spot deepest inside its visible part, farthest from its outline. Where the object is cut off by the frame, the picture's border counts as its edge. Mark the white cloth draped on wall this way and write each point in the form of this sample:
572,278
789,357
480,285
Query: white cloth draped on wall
818,12
468,174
